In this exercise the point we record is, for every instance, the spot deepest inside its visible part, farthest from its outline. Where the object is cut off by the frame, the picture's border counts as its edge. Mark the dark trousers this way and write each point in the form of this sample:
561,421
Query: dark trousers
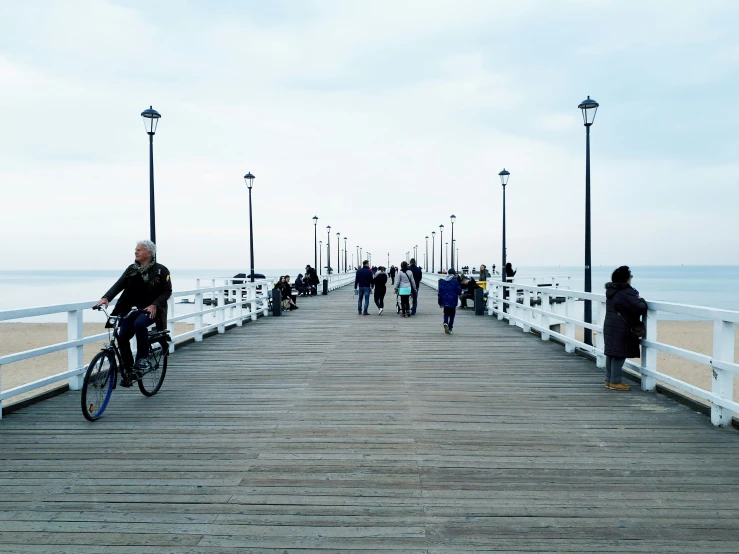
414,295
464,297
449,314
614,369
134,326
392,279
405,305
380,298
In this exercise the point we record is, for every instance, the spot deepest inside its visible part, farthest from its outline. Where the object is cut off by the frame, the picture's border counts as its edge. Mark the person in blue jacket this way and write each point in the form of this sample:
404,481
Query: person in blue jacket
449,291
363,283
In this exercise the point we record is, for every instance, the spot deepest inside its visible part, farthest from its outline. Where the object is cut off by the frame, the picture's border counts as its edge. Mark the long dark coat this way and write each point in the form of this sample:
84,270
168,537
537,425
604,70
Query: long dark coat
624,309
137,292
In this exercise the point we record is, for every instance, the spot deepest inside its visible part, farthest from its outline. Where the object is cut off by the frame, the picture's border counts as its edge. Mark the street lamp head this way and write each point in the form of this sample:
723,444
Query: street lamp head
441,227
433,233
589,108
338,234
427,237
315,220
151,120
249,180
453,218
328,227
504,176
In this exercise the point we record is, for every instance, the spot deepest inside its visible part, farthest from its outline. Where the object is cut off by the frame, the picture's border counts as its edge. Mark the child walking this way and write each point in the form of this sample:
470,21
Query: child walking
449,291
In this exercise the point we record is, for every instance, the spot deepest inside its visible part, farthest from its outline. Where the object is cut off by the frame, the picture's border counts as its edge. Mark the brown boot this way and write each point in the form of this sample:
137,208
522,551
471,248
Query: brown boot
618,386
608,385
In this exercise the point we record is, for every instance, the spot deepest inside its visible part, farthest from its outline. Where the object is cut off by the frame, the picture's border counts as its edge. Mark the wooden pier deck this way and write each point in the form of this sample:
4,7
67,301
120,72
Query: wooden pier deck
325,431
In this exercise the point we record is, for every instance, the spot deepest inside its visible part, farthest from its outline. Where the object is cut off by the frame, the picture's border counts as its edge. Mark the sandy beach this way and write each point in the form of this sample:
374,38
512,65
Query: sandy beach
16,337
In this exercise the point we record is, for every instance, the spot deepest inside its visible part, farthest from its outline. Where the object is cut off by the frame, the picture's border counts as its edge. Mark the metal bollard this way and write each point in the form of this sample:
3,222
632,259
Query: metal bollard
276,302
325,287
479,302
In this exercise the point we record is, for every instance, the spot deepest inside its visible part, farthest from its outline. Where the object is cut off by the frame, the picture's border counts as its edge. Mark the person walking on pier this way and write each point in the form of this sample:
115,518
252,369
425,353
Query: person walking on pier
404,288
363,283
417,276
380,282
623,328
392,274
449,291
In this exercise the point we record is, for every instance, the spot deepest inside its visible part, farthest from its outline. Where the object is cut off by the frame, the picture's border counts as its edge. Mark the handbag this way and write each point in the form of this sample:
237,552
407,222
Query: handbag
638,331
404,291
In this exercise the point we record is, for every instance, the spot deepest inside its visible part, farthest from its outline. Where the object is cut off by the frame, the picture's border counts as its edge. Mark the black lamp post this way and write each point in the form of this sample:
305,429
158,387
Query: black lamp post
388,259
315,242
338,252
441,251
151,120
433,242
328,249
345,255
359,262
249,179
426,260
504,175
589,108
320,256
447,252
453,218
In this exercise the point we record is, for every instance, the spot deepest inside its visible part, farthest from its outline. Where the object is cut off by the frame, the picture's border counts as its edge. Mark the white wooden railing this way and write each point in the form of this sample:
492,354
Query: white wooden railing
556,307
253,301
337,280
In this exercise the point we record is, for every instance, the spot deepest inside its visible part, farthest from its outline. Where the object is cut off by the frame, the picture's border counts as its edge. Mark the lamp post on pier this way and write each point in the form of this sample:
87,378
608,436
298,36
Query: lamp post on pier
388,259
249,179
151,120
328,249
441,252
453,218
358,260
433,242
315,242
447,252
338,253
320,256
345,269
589,108
504,175
426,259
369,258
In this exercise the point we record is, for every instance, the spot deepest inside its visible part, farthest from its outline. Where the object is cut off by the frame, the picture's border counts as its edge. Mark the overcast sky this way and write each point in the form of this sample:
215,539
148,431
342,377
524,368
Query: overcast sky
381,118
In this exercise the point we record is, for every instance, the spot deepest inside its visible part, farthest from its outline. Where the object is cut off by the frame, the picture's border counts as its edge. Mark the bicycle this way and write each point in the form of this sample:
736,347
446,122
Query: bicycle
101,375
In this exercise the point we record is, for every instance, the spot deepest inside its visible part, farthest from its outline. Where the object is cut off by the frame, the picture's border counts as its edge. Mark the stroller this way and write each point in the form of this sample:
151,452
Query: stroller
397,301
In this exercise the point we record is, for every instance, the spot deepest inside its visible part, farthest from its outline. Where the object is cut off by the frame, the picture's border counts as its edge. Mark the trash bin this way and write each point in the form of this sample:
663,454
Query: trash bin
479,302
325,287
276,302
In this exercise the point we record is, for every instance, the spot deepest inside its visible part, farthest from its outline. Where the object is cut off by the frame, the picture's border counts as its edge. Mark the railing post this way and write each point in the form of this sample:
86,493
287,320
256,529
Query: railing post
649,355
198,316
221,299
546,307
600,358
169,323
723,381
500,295
526,314
75,355
569,326
513,304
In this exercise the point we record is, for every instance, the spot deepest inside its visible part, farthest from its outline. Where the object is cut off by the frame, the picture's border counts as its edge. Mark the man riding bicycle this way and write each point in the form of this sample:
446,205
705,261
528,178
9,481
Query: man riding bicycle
145,284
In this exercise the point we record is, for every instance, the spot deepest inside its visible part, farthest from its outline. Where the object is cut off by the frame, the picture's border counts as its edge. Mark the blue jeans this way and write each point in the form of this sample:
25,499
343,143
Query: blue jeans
364,292
138,326
414,295
614,369
449,314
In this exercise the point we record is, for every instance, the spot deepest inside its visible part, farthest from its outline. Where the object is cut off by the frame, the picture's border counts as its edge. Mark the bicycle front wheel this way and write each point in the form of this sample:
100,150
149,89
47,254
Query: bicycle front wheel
98,385
152,380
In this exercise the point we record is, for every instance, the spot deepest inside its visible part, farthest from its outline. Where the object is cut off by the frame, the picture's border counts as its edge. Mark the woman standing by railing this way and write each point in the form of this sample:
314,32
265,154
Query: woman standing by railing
622,328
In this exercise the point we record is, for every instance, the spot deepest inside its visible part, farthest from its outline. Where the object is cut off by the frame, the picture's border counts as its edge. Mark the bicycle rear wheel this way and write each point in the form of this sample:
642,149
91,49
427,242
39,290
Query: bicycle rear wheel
98,385
152,380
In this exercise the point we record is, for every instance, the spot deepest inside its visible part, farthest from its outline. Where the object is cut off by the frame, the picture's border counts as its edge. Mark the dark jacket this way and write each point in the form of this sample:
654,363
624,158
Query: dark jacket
313,277
380,282
392,271
138,293
363,278
417,274
624,309
471,286
449,291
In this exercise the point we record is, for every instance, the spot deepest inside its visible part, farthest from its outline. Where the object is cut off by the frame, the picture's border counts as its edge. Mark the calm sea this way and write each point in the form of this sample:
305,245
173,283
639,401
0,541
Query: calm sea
715,286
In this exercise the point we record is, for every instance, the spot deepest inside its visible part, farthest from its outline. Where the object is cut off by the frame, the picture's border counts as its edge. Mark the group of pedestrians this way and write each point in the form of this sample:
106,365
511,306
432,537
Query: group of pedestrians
408,281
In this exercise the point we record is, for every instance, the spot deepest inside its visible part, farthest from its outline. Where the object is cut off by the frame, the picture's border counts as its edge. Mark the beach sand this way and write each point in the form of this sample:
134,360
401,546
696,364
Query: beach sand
16,337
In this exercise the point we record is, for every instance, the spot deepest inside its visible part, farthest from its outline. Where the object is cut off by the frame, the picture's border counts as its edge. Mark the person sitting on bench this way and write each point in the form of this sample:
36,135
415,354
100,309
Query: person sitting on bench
470,285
